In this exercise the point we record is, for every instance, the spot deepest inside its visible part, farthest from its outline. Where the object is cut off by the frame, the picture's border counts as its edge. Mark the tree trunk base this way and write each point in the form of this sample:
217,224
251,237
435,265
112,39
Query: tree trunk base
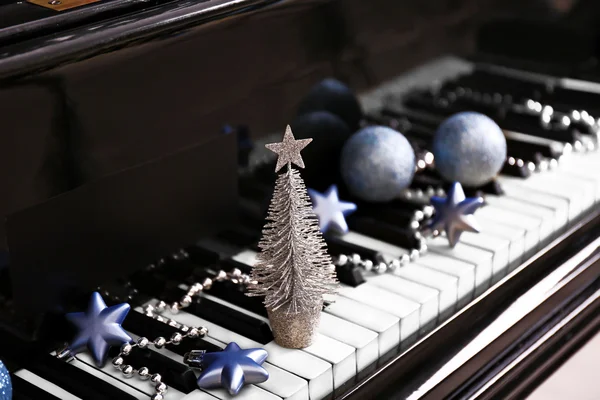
294,330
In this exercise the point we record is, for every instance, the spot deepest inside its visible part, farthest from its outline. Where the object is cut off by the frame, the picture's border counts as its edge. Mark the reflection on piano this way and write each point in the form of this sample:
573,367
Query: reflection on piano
100,100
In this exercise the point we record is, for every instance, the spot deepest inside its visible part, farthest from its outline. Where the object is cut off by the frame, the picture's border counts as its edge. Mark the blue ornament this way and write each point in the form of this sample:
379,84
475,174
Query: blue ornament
232,368
5,383
335,97
377,163
469,148
330,210
453,214
99,328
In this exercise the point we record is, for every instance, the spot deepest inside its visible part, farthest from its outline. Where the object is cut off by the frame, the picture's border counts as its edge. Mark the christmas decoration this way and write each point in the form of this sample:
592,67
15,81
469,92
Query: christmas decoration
469,148
453,214
231,368
99,328
293,270
377,164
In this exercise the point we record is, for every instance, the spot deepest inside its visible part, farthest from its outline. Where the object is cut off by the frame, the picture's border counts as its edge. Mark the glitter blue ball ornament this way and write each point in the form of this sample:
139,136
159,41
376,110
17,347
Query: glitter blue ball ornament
469,148
5,383
377,163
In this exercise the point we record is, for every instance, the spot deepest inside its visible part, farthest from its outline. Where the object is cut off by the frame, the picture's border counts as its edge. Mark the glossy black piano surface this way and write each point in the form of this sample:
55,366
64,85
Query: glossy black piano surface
108,101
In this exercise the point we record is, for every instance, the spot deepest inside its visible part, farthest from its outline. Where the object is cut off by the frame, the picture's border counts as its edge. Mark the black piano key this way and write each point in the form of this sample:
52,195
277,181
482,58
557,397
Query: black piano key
401,237
337,246
350,275
387,213
202,256
240,237
233,320
178,269
576,99
425,180
150,328
518,171
232,293
75,380
506,118
523,151
229,264
23,390
173,374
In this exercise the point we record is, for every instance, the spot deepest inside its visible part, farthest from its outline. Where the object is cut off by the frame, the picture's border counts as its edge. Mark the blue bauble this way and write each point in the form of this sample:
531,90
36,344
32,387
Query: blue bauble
5,383
322,156
377,163
335,97
469,148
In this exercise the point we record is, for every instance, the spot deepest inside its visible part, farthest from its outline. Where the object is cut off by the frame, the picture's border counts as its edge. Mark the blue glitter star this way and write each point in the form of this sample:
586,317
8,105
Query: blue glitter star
453,214
232,368
330,210
99,328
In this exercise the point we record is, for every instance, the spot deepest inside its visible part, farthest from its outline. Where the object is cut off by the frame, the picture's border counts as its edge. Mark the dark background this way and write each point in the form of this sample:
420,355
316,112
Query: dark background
95,116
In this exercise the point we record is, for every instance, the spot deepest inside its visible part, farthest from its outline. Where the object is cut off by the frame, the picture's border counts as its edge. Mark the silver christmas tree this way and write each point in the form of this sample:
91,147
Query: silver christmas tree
293,270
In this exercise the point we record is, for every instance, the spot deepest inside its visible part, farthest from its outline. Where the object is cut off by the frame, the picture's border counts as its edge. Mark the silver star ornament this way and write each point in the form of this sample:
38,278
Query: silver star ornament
454,214
288,150
330,210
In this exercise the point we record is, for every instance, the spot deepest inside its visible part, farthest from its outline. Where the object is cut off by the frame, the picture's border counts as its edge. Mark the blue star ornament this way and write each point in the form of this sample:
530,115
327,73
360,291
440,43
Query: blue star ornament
330,210
454,214
99,328
232,368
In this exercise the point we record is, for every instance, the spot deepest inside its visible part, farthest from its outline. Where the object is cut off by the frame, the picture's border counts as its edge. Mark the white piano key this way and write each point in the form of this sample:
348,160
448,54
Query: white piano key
586,185
317,372
338,354
386,325
531,225
249,392
561,189
363,340
247,257
375,244
560,205
549,223
45,385
497,246
583,171
482,259
464,271
427,297
514,234
284,384
280,385
143,386
447,285
198,395
406,310
112,381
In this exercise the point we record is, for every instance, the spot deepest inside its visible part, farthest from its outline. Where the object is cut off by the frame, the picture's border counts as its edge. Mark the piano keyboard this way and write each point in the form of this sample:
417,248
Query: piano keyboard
368,322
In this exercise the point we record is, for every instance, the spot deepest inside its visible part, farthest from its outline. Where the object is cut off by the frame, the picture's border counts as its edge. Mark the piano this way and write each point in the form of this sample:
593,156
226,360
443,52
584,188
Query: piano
117,177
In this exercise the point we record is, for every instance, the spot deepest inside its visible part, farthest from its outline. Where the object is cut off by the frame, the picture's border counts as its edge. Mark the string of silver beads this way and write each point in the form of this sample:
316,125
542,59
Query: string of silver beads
143,373
235,276
380,266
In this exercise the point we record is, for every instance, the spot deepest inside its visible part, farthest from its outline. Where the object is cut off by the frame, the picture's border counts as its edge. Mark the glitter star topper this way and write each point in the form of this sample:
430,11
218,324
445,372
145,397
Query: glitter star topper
453,214
288,150
231,368
330,210
99,328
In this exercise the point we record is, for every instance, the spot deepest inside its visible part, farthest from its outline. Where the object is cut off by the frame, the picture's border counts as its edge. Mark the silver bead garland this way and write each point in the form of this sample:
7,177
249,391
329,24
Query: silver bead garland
143,373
